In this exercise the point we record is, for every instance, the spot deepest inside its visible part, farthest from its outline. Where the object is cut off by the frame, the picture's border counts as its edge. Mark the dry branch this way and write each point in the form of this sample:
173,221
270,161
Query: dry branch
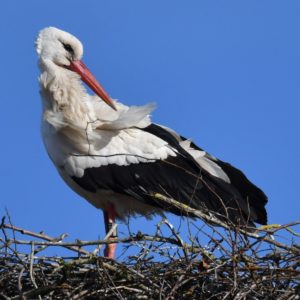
233,264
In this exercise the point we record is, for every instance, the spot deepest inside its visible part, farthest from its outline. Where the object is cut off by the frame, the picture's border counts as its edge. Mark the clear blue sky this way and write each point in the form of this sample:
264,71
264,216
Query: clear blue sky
225,73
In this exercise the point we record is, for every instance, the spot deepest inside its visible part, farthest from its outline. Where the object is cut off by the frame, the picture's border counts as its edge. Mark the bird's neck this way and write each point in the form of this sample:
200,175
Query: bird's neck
63,94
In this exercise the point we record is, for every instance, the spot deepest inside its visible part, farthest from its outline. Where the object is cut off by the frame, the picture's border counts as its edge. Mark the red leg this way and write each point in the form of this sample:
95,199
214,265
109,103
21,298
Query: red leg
110,220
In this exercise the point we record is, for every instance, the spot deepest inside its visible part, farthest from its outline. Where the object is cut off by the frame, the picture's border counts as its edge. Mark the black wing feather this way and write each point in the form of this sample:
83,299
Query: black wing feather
183,179
254,195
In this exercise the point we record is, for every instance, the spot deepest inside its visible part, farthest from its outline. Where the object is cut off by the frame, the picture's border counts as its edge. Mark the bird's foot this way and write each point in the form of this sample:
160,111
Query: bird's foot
111,231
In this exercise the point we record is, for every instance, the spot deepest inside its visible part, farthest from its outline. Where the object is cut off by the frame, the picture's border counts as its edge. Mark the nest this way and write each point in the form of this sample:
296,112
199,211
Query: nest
233,264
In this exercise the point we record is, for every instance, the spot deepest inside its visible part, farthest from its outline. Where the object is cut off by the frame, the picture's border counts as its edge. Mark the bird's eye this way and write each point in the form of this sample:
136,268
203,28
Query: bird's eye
68,47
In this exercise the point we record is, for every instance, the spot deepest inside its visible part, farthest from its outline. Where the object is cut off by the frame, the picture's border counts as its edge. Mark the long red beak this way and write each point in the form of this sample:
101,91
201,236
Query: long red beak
80,68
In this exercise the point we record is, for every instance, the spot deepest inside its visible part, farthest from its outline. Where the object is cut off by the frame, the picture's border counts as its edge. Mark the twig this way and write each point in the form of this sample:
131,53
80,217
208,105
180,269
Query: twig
31,257
45,237
211,219
108,235
233,265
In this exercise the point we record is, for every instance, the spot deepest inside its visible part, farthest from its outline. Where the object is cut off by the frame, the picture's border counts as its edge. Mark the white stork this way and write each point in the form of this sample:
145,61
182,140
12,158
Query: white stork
113,156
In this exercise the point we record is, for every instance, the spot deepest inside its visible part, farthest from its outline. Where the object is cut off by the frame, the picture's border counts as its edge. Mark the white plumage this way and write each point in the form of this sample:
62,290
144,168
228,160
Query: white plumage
113,155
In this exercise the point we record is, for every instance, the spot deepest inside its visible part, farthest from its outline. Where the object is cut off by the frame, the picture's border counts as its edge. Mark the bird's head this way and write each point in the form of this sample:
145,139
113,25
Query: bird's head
58,47
59,50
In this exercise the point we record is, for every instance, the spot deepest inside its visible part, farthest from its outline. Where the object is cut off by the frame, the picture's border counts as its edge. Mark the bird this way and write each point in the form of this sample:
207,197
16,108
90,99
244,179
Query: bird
116,158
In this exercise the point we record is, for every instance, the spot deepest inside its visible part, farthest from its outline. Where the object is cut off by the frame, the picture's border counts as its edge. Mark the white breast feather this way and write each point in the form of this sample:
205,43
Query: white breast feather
109,138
